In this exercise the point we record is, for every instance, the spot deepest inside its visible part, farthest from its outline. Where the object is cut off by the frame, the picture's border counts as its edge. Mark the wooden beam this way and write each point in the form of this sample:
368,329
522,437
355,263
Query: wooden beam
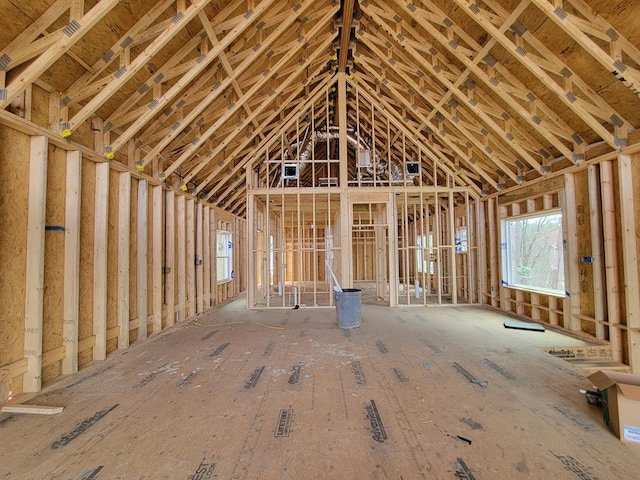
141,257
510,88
124,243
201,65
71,302
429,148
181,124
502,213
113,53
595,222
451,225
494,266
393,278
451,87
534,297
34,289
73,32
213,222
229,138
578,29
100,241
206,257
157,264
346,241
136,105
611,264
266,141
224,60
629,239
190,310
127,72
447,138
547,204
169,267
253,255
181,254
191,150
564,93
571,308
28,43
345,37
199,264
33,409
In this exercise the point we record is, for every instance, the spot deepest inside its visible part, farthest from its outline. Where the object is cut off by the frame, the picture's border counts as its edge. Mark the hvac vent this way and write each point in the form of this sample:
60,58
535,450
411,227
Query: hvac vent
290,171
412,169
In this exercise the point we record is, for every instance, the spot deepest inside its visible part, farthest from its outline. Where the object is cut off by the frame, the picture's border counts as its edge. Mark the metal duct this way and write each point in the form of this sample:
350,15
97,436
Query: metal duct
333,133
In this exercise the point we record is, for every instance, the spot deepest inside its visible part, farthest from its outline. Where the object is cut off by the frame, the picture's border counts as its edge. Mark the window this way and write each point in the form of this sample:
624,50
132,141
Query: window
532,252
424,265
462,244
224,265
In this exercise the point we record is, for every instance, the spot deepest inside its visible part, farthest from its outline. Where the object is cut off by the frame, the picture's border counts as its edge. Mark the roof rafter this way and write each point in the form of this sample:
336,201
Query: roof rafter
196,144
312,97
430,149
564,92
510,89
451,138
596,26
222,85
73,32
126,72
202,62
465,99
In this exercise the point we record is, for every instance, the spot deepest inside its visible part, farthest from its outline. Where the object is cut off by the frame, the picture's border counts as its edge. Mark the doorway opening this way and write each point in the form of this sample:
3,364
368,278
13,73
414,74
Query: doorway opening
370,251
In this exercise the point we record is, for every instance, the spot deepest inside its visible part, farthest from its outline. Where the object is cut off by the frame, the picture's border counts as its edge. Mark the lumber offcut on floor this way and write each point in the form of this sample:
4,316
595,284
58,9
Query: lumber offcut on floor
429,393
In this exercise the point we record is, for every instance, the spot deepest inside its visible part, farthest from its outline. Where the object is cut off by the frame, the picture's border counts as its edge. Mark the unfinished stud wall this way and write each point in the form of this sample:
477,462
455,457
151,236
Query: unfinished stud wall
291,239
600,206
86,262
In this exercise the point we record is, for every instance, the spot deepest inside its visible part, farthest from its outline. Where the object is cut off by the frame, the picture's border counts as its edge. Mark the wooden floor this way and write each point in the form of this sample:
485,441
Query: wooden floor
427,393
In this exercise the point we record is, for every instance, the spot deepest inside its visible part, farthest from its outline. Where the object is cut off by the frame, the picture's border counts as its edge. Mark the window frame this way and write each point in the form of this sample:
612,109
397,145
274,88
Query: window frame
228,250
507,254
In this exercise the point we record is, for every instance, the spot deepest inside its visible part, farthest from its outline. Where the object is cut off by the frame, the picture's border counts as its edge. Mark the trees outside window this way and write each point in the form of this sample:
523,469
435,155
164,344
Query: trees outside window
533,253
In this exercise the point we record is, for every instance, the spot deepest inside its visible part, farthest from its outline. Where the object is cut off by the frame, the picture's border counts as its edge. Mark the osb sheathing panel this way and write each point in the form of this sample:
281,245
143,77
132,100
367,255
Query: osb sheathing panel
14,198
21,17
39,106
53,312
87,219
112,259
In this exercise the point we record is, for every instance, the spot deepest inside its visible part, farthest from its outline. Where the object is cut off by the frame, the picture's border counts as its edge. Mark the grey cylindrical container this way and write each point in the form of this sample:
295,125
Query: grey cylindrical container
349,307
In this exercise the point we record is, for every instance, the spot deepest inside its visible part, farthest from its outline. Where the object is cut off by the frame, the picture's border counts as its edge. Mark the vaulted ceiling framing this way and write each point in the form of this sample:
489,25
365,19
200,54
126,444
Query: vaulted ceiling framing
497,93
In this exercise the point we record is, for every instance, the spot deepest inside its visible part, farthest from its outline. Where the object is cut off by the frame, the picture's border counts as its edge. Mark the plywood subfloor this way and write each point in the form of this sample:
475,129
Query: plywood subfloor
432,393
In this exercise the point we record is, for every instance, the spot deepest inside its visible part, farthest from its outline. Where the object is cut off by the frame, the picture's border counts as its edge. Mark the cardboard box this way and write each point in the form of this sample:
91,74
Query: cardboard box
621,403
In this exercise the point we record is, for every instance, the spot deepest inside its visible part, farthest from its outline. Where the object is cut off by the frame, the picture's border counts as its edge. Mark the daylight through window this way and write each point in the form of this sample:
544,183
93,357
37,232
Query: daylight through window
532,252
223,256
